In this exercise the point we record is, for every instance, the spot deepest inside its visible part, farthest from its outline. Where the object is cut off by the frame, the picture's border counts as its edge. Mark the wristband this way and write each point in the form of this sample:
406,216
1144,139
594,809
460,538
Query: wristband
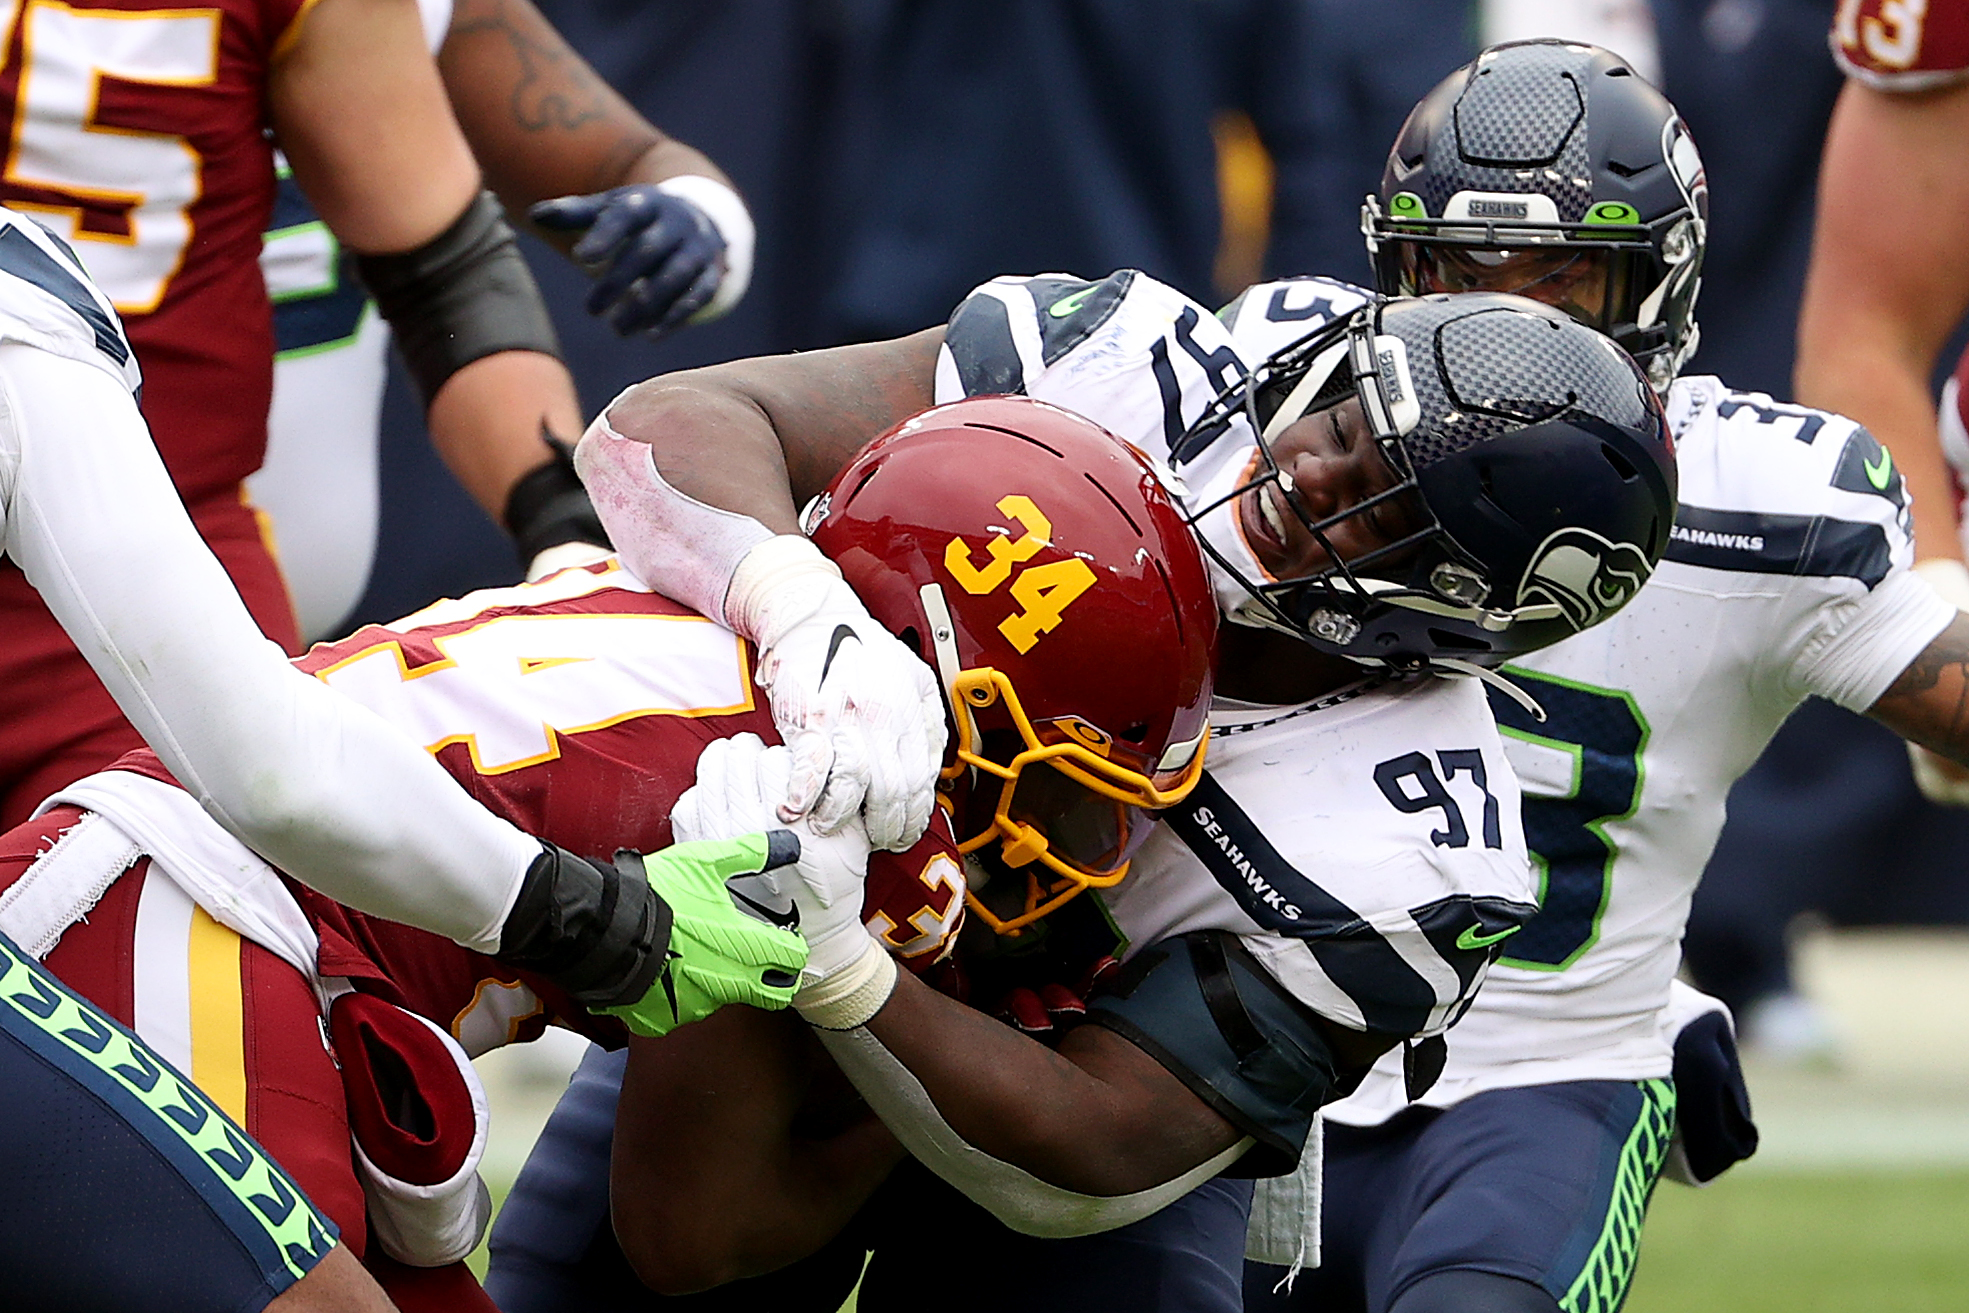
548,507
733,221
851,996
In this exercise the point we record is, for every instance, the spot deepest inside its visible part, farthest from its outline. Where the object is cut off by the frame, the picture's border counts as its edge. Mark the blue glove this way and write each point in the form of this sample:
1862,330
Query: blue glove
658,258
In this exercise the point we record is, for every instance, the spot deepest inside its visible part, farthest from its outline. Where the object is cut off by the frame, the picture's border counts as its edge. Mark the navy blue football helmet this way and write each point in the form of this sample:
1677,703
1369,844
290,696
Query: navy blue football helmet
1553,169
1529,452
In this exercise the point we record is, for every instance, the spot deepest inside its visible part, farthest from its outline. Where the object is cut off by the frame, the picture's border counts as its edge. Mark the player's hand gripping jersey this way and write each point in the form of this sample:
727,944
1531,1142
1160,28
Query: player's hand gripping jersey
1786,576
1366,847
576,707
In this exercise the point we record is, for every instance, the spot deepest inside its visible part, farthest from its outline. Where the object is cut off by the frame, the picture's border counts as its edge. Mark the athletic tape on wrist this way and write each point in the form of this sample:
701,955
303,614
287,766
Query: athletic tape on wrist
734,223
852,995
676,544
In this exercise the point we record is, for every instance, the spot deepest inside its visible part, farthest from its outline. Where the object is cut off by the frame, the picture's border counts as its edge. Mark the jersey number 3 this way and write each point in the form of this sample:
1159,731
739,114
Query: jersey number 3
1603,732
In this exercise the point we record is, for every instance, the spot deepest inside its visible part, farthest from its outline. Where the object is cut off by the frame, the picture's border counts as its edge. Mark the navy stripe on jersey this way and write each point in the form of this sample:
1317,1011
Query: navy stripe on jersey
1392,996
980,342
25,260
1071,309
1815,545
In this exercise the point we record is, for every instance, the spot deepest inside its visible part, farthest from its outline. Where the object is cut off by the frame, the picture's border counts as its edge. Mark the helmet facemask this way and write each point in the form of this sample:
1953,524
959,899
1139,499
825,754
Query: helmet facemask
1618,279
1060,802
1422,569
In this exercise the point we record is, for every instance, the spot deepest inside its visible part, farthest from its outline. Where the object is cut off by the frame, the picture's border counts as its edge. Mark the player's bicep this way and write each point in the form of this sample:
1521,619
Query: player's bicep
717,432
359,109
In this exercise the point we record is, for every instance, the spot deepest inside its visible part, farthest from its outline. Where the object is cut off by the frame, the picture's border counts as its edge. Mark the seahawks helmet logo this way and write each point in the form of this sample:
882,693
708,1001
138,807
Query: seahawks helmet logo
1587,577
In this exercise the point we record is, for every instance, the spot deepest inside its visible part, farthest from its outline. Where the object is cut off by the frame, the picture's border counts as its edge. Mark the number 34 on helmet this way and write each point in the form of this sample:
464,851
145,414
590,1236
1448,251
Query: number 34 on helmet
1036,563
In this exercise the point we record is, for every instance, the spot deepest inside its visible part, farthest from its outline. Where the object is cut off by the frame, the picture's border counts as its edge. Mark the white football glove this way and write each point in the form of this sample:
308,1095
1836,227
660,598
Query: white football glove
739,783
861,713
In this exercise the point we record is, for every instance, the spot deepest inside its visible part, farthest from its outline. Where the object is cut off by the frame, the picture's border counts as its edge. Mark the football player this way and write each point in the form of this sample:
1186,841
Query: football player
1426,488
579,706
668,238
89,519
1518,1183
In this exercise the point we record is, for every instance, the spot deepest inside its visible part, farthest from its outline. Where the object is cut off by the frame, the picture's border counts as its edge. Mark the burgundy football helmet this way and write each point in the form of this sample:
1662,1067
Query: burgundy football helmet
1036,563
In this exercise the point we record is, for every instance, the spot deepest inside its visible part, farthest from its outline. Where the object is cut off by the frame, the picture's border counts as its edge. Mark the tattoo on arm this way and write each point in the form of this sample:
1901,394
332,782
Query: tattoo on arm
1929,701
556,89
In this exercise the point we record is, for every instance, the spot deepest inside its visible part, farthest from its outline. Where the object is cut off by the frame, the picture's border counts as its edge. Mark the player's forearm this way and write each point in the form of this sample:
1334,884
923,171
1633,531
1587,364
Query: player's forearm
1929,703
1114,1126
487,419
540,119
314,782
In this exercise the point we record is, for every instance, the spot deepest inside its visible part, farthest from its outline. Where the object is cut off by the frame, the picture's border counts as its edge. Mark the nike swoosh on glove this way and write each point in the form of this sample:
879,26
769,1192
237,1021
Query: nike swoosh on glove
861,713
739,782
658,258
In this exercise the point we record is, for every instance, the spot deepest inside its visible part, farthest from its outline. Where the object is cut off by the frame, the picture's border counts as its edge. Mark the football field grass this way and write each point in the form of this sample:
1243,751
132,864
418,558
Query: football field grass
1884,1242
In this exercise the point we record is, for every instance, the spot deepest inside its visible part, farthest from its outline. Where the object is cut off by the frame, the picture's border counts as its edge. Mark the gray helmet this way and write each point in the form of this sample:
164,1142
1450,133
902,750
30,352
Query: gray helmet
1560,157
1535,447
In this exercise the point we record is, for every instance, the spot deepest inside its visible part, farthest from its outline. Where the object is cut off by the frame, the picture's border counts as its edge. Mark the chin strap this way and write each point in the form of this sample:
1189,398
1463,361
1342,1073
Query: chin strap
1455,666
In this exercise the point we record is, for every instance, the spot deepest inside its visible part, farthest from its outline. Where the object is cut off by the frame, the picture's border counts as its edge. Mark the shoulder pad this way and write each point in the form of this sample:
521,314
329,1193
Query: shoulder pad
47,300
1268,317
1773,488
1006,332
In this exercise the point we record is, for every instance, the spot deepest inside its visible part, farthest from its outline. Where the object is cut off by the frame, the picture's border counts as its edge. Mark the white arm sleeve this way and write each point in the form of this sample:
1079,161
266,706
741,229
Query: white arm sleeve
1013,1195
314,782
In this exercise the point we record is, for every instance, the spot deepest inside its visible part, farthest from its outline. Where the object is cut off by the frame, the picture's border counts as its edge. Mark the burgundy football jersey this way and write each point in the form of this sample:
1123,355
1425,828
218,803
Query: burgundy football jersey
576,708
138,131
1902,45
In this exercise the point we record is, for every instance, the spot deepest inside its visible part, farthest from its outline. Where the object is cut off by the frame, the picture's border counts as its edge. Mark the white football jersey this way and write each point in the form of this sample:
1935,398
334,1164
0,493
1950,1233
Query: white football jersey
1786,575
47,300
1367,848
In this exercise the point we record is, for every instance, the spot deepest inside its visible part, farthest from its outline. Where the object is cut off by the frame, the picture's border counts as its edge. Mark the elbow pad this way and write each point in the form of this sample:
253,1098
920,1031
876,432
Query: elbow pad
1013,1195
463,295
1202,1007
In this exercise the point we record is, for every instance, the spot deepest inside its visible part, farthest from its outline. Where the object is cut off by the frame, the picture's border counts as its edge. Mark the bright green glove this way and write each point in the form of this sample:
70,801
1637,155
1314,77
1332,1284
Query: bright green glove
718,953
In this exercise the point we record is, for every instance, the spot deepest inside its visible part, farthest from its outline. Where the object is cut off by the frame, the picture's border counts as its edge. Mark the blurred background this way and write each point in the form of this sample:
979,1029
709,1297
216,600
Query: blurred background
897,152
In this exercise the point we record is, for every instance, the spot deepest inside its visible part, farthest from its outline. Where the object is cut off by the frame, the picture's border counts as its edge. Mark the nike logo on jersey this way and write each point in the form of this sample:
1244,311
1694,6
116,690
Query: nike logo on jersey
1469,941
842,633
1066,305
1878,475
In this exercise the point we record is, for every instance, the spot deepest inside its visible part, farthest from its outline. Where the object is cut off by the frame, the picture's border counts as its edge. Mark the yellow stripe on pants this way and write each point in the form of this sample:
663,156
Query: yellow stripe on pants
218,1014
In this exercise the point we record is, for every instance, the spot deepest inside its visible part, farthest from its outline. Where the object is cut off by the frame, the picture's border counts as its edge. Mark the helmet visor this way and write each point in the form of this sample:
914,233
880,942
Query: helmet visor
1587,283
1090,831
